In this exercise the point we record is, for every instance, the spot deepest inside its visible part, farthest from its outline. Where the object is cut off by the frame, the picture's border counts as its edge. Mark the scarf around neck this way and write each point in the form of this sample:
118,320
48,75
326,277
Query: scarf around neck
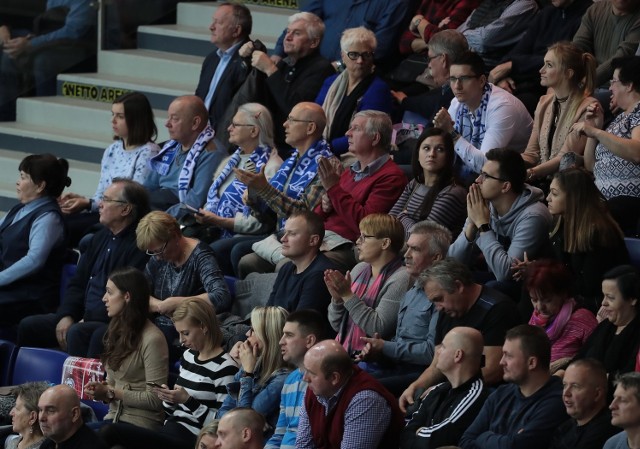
161,163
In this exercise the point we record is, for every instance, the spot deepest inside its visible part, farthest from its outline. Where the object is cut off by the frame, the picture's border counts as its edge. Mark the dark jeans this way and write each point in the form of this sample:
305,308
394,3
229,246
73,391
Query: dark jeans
83,339
42,67
229,251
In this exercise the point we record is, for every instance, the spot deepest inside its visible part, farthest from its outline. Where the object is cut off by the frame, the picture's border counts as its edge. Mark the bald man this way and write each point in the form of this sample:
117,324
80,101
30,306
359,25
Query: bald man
344,406
295,187
61,421
450,407
182,171
241,428
584,395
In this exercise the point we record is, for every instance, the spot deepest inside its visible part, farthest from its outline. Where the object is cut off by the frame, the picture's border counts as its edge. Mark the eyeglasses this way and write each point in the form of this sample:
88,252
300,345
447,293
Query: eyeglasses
158,252
298,120
106,199
237,125
365,55
484,175
463,79
431,58
364,237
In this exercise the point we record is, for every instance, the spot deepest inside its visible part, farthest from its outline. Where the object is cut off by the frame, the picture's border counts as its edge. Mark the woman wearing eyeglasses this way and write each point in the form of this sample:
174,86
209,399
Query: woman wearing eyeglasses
571,74
365,301
180,267
355,89
613,155
251,130
134,132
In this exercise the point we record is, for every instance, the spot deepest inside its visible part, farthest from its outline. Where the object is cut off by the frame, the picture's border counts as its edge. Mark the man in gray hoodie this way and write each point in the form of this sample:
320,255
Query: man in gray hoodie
506,219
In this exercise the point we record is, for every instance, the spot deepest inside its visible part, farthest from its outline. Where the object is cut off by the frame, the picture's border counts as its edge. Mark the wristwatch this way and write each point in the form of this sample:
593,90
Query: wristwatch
484,228
455,135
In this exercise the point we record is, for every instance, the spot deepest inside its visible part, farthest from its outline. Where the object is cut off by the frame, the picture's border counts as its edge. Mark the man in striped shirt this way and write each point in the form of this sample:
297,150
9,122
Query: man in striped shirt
450,407
303,329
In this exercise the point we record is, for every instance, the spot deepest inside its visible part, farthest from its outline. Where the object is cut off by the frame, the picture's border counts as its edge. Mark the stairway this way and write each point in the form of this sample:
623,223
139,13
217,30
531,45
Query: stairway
76,123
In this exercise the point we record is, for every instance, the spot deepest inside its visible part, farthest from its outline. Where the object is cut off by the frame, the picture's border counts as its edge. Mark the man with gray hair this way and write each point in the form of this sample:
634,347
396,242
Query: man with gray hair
444,47
625,412
397,362
462,302
299,76
223,70
371,185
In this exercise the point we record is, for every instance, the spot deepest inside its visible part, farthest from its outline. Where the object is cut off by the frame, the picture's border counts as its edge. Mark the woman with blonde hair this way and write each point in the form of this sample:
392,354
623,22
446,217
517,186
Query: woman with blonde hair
135,353
570,73
365,301
24,417
180,267
199,391
208,436
262,374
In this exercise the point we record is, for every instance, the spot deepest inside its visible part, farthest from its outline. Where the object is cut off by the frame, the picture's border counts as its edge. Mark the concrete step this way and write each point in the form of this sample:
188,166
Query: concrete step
68,127
267,21
84,177
106,88
186,39
152,65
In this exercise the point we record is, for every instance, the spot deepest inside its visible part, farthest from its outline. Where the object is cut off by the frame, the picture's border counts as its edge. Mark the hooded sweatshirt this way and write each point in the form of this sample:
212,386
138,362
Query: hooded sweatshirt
525,228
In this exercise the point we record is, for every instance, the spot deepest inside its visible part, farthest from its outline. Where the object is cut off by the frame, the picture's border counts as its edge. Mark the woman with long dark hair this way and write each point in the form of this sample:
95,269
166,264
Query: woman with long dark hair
433,193
135,353
585,237
134,132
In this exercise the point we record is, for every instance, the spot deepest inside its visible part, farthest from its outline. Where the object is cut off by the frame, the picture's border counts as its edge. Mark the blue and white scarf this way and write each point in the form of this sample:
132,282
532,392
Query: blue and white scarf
472,128
299,172
161,163
229,202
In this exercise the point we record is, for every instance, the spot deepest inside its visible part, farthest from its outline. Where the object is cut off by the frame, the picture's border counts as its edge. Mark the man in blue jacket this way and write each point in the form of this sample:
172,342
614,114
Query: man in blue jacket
525,412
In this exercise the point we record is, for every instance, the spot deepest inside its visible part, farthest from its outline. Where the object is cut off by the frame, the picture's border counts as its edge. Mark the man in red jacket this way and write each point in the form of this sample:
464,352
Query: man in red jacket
344,406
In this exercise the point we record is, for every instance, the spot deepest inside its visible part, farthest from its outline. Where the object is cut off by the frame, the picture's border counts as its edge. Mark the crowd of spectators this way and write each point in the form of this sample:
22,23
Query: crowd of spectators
488,300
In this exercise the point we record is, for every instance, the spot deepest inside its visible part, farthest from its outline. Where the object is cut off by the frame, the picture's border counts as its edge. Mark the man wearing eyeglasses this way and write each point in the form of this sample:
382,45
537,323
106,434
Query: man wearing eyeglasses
299,76
481,117
444,47
223,70
506,219
81,319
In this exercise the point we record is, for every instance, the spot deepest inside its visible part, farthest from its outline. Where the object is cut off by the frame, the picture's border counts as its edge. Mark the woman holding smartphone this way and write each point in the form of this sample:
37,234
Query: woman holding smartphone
199,391
135,353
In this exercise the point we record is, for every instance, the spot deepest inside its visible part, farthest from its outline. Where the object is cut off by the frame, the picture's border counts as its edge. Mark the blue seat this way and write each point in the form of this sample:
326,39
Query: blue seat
633,246
99,408
38,364
7,358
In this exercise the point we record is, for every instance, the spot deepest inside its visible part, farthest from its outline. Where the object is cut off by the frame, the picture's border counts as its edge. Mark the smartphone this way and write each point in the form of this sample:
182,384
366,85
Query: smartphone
191,209
153,384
